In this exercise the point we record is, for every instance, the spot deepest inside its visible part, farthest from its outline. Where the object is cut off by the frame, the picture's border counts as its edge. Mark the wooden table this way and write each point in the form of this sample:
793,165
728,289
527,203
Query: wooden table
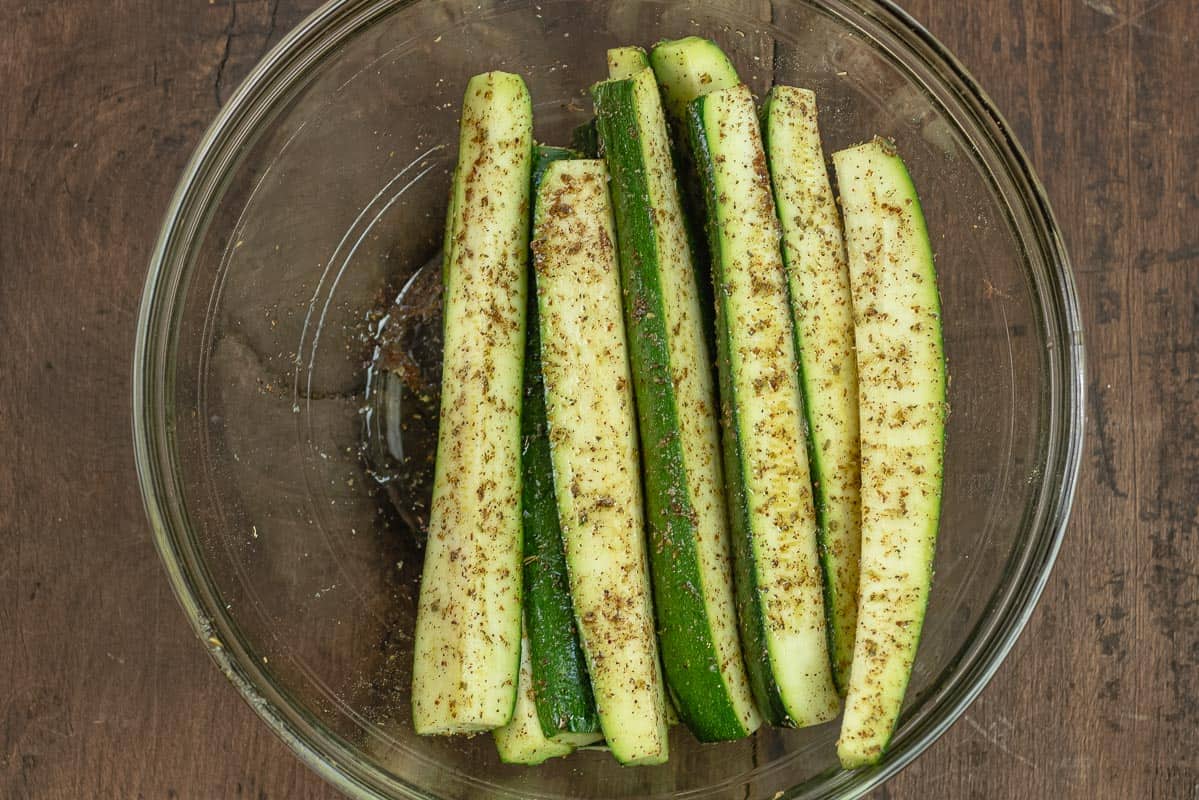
105,692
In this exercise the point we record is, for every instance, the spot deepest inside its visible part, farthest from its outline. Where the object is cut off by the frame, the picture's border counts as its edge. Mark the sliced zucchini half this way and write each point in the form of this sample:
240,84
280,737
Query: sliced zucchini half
901,375
468,629
778,578
559,671
688,68
822,316
593,445
676,403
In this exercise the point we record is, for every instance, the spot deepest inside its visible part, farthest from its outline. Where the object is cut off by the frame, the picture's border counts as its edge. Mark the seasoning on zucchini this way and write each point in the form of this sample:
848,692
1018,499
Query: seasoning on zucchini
822,316
901,375
468,625
593,445
779,583
676,403
560,685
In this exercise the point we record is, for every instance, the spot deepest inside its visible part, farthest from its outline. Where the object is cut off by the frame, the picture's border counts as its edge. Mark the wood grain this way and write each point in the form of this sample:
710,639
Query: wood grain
105,692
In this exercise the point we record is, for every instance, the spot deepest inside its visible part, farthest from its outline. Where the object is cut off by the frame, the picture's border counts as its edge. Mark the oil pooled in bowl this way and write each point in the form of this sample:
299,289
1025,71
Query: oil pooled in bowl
403,394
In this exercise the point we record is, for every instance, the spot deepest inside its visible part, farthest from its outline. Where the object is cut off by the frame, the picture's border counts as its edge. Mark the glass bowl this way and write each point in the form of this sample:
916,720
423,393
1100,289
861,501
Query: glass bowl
318,193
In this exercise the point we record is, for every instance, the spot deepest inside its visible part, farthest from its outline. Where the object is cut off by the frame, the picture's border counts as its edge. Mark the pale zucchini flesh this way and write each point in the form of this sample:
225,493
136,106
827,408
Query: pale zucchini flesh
468,626
822,315
593,441
901,374
625,62
676,404
779,581
688,68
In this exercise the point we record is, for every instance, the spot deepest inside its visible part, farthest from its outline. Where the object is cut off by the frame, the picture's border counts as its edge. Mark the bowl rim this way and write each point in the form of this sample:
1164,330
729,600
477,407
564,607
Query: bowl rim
268,79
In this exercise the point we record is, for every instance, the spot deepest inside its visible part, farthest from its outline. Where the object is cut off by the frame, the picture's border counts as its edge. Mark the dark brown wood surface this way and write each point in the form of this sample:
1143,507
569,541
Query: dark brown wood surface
105,693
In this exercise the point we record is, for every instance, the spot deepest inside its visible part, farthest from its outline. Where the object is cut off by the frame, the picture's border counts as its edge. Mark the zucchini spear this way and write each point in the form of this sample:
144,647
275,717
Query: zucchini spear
676,404
779,583
468,623
901,372
822,313
593,444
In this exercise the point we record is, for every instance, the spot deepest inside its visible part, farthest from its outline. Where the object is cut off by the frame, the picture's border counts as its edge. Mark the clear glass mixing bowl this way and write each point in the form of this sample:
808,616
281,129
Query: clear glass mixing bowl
318,193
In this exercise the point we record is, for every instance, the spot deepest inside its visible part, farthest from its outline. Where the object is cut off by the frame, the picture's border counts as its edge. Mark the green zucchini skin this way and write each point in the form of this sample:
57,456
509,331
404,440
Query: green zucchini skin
468,625
585,140
561,687
778,583
623,62
822,316
522,740
676,404
902,400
